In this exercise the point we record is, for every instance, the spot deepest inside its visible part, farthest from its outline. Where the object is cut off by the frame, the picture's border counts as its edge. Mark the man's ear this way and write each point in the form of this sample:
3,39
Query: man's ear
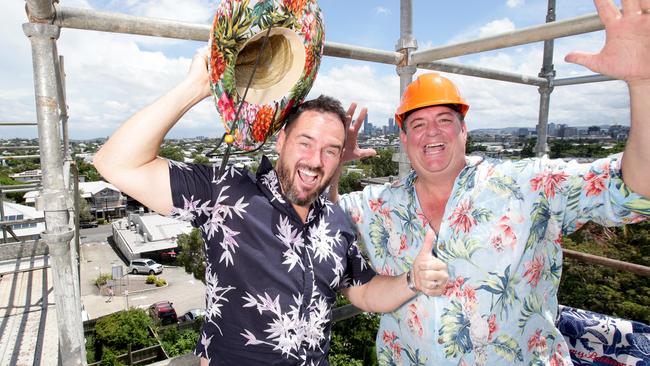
279,142
402,137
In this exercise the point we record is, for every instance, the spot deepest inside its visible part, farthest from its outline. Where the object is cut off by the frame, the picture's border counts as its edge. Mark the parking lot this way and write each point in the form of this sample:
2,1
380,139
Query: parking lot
98,256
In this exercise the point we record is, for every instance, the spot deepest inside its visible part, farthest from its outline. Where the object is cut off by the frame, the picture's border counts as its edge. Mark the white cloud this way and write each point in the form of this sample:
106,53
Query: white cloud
363,85
382,10
515,3
110,77
496,27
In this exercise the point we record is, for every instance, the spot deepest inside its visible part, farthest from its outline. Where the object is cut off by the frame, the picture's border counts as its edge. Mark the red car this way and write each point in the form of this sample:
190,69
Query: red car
163,312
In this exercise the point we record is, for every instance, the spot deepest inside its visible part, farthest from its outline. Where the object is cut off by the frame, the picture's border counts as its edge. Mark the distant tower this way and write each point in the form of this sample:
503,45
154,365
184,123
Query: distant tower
367,128
391,126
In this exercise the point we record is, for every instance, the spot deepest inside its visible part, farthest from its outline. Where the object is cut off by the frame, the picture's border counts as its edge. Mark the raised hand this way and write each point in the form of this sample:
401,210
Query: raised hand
429,273
627,48
352,151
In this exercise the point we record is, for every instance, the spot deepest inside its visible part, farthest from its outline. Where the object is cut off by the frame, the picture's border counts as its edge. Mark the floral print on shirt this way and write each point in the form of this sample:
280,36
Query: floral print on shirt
500,237
271,280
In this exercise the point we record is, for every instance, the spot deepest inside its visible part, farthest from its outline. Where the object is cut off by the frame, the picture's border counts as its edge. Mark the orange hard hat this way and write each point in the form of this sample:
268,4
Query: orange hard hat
428,90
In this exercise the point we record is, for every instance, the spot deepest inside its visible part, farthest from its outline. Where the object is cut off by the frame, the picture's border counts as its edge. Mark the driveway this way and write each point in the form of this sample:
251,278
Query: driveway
97,256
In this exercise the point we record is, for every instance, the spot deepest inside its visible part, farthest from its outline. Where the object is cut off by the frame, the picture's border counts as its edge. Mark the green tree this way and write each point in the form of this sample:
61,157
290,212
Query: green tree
608,291
353,339
172,152
382,164
118,330
200,159
471,146
191,255
17,197
350,182
528,151
87,170
84,208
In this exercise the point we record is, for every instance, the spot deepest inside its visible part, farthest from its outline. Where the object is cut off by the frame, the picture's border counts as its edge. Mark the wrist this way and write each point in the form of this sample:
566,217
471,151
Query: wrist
410,281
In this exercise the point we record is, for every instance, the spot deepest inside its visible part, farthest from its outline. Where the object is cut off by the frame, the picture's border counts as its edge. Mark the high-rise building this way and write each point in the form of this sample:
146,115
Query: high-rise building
392,128
367,127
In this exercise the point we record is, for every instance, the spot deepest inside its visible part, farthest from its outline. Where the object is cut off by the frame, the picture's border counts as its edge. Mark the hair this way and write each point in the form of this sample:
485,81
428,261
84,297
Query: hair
455,107
323,104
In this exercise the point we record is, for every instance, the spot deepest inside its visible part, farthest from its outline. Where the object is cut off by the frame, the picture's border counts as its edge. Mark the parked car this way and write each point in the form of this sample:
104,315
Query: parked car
192,315
87,224
162,312
145,266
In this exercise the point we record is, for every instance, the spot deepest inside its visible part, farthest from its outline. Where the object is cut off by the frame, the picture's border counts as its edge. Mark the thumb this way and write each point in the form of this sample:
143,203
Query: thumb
427,246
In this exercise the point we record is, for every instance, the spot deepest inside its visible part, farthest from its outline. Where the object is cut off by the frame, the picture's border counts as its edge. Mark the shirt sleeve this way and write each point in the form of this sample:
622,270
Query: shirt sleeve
191,187
356,205
591,192
358,271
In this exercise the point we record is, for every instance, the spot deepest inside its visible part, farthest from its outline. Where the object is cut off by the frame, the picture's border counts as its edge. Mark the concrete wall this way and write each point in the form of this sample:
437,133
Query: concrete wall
21,250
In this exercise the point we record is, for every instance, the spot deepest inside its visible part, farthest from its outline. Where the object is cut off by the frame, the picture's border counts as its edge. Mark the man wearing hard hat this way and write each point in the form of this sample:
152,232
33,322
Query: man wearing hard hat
498,225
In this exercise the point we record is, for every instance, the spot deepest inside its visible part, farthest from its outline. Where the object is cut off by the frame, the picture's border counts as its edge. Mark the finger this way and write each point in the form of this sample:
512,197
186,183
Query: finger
351,109
630,6
366,153
432,265
359,121
607,10
587,60
427,246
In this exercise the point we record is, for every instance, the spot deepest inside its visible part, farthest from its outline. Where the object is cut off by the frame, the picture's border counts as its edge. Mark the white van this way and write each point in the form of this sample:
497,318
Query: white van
145,266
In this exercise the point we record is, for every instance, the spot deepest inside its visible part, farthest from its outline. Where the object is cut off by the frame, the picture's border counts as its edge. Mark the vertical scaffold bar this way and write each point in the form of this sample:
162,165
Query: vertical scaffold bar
406,44
547,72
53,198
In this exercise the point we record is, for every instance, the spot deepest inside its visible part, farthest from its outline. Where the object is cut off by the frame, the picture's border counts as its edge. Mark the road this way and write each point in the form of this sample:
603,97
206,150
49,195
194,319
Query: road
97,256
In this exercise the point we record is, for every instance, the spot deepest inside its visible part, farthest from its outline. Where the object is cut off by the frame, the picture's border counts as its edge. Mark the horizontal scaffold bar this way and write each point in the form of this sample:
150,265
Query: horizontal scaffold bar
544,32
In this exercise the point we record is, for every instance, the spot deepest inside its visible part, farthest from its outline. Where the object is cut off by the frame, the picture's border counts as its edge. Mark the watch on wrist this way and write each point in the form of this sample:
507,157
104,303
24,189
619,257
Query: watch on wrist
410,282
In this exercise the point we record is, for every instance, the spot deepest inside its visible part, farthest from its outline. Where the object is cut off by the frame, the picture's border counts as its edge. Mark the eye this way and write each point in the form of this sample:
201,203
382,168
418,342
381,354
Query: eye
445,121
332,152
417,125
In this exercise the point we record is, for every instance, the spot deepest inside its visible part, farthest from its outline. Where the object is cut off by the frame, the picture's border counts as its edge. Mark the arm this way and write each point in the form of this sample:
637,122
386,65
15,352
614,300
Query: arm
387,293
129,158
351,150
625,56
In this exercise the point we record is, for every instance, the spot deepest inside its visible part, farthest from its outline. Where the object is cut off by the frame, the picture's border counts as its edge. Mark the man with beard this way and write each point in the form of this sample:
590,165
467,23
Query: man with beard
277,249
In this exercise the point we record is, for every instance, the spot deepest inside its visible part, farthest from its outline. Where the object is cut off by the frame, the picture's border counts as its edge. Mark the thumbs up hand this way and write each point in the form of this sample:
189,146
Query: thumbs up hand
429,273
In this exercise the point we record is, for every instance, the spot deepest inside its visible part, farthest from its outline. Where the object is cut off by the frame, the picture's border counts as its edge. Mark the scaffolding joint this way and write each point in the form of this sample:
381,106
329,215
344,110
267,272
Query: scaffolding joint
52,201
50,31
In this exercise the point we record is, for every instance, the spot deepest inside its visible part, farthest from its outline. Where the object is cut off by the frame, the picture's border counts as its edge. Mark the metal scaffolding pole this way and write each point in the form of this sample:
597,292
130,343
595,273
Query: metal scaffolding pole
596,78
547,72
456,68
405,45
564,28
53,201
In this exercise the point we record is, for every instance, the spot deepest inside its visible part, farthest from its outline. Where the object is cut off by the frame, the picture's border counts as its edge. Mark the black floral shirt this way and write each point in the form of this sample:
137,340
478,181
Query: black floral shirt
271,280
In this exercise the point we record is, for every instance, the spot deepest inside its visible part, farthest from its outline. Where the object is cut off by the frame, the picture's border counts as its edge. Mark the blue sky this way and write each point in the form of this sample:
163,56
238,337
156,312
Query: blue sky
109,77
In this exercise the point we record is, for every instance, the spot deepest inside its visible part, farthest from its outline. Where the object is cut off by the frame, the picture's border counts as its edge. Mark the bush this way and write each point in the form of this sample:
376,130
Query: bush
101,221
160,282
120,329
109,358
151,279
176,344
102,279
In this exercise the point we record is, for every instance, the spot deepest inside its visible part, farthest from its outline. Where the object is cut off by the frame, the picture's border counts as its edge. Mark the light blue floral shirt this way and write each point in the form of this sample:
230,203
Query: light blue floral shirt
501,238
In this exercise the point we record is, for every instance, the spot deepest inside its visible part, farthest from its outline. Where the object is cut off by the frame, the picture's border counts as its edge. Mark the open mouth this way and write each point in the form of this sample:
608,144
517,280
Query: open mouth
434,148
308,176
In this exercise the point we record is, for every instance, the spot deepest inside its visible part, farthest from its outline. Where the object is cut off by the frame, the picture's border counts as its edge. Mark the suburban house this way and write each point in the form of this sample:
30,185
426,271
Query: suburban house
105,200
148,235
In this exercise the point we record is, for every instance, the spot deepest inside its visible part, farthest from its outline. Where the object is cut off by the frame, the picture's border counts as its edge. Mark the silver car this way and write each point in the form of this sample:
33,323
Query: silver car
145,266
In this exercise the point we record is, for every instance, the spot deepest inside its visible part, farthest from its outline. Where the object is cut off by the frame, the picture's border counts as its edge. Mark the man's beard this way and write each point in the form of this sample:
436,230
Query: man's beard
286,182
